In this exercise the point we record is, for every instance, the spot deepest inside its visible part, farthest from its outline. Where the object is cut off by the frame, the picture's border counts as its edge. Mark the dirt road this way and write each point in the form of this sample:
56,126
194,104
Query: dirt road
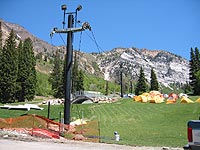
8,144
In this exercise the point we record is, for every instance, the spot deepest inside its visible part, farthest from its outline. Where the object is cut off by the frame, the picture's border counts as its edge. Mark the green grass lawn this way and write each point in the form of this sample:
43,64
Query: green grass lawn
144,123
141,124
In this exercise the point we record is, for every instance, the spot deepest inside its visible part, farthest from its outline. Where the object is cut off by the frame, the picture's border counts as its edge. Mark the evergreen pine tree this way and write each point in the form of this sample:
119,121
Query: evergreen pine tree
32,79
106,91
187,88
80,84
197,83
141,85
19,81
8,70
154,81
197,58
75,74
131,87
63,87
77,77
26,73
196,86
56,79
194,70
1,40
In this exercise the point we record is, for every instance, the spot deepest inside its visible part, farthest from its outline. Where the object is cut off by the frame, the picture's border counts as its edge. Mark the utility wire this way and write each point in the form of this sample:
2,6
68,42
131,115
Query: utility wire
94,40
79,46
62,39
51,40
98,47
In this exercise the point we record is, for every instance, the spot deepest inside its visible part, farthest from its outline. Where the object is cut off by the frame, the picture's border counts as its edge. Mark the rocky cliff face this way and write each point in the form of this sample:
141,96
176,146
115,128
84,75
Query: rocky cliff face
168,67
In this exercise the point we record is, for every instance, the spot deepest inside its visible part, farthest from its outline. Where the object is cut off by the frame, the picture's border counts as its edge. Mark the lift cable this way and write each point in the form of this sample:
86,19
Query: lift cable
79,48
80,40
62,39
93,39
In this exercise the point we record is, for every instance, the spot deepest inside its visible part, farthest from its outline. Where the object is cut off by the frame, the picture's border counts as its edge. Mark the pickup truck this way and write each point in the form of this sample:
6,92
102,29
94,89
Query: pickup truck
193,133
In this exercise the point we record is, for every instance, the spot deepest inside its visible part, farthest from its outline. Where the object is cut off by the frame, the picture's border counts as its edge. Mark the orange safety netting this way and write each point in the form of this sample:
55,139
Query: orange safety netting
40,126
34,125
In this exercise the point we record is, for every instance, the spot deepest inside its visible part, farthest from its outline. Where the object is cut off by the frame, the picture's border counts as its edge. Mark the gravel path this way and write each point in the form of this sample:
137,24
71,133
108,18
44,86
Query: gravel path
32,144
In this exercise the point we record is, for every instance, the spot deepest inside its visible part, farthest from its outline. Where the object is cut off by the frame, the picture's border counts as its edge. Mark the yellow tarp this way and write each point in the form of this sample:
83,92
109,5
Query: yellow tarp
198,100
170,101
140,98
152,97
145,94
186,100
157,99
153,93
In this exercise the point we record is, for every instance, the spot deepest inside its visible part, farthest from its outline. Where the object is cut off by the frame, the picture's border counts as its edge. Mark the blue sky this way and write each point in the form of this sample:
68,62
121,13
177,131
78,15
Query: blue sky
171,25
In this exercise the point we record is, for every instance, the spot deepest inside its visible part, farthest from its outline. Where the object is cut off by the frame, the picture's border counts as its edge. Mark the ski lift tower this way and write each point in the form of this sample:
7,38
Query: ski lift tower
69,54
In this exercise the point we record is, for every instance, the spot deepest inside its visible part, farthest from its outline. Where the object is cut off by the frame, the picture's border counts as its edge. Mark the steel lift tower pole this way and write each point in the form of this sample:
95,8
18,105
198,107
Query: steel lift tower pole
121,80
68,71
69,55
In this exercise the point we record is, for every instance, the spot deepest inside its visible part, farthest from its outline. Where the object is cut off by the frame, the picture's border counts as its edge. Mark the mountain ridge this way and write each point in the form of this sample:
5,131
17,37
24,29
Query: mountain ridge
170,68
